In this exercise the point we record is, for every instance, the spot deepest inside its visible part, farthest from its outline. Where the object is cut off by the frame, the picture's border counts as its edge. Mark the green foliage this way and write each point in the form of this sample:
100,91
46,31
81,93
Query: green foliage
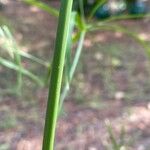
12,50
86,25
116,143
62,55
43,6
12,58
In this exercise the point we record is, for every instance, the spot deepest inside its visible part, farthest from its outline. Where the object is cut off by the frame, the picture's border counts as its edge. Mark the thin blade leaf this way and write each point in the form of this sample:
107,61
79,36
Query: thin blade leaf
43,6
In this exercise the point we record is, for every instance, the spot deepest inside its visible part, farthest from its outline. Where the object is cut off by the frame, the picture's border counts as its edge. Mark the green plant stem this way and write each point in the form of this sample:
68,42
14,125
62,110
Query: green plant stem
69,47
73,67
81,7
17,59
126,17
56,75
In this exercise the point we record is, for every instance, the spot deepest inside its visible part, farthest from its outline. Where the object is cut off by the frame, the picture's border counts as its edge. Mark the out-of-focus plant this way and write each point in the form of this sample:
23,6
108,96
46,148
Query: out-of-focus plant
11,57
116,143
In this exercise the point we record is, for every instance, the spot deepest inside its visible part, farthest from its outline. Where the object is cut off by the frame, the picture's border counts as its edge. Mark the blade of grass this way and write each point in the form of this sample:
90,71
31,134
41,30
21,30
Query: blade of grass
125,17
80,17
122,136
43,6
81,7
33,58
7,45
17,58
56,75
111,135
69,47
15,67
73,67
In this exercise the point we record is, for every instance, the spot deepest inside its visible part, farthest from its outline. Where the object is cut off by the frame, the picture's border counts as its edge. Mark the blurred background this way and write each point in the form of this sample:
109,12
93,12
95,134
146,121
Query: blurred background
108,105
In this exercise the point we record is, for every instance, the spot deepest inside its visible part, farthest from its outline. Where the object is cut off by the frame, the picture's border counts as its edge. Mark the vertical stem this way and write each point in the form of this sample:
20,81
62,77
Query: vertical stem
56,75
19,73
73,67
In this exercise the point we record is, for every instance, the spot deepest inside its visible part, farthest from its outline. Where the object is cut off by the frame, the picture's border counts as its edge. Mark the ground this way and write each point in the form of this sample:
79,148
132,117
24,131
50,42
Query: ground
112,83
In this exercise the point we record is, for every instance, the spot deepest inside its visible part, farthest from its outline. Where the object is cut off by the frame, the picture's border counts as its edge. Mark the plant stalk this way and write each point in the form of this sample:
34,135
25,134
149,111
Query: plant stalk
56,75
73,67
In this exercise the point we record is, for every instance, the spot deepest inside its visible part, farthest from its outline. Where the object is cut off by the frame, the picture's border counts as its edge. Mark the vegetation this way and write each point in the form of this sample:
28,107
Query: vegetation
69,22
80,25
56,75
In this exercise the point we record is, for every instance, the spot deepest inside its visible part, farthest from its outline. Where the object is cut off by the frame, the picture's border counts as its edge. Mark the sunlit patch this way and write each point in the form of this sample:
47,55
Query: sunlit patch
144,36
34,9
